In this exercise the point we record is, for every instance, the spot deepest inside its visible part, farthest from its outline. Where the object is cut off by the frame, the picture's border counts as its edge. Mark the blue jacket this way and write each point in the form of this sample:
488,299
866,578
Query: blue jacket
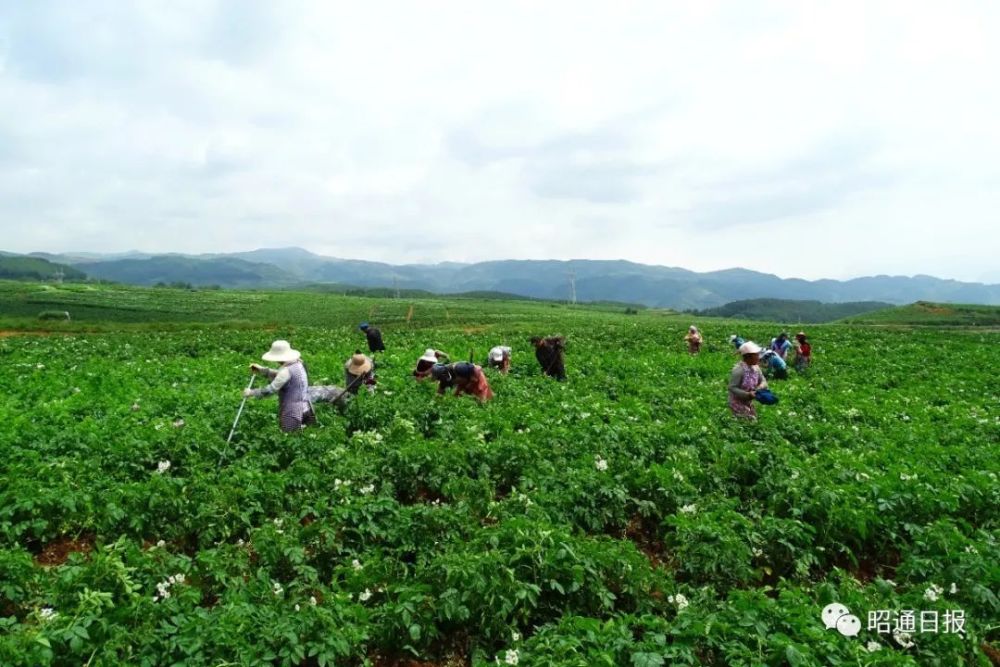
776,363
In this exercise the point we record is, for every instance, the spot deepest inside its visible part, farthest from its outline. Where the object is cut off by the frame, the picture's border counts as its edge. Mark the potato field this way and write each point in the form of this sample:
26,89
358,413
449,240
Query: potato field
622,517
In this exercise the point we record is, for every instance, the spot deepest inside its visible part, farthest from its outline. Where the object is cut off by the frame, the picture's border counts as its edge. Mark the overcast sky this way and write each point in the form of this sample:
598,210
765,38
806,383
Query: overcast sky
829,139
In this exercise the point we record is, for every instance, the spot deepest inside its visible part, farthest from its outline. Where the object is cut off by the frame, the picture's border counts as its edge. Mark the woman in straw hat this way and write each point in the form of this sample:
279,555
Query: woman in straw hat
426,362
744,381
359,371
290,382
693,339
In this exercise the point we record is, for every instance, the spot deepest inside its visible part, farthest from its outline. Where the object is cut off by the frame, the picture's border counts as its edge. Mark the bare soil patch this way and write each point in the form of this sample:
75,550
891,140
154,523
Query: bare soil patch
58,551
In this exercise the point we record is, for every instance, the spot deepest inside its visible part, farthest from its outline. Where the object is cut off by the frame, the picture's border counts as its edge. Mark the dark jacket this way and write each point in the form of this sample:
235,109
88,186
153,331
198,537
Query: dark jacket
446,374
374,337
549,354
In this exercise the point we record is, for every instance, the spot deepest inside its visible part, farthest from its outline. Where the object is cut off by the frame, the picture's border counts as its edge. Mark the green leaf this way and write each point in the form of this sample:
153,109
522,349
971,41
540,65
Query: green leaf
643,659
794,657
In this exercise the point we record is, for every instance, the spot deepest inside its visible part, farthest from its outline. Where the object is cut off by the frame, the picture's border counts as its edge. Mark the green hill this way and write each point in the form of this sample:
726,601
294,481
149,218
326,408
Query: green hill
791,311
172,269
932,314
14,267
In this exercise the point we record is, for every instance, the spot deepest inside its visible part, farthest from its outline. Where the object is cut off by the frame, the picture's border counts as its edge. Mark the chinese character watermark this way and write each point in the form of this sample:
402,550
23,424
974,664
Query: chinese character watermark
885,621
902,624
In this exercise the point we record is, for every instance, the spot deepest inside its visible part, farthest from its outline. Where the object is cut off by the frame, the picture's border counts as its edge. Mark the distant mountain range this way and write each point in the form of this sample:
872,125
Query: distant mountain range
595,280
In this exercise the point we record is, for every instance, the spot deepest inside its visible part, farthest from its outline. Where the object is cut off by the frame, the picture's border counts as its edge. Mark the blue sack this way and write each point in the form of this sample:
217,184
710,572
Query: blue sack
766,397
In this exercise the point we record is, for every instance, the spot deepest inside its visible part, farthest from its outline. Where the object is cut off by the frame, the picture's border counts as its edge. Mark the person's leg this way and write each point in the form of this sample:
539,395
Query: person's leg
324,393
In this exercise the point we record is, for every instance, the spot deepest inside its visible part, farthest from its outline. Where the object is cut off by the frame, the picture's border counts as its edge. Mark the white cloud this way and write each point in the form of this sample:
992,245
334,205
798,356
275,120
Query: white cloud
809,139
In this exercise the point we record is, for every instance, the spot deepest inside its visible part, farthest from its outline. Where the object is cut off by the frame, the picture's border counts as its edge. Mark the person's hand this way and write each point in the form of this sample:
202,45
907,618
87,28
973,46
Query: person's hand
753,394
256,368
247,393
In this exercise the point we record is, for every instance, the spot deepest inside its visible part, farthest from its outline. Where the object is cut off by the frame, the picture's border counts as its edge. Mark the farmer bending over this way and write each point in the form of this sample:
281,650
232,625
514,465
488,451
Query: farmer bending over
374,337
737,342
359,371
745,380
499,357
290,382
427,361
775,365
465,377
549,353
693,339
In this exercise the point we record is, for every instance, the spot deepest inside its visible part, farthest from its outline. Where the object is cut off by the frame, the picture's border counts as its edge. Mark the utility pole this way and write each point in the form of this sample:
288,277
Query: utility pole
59,275
395,286
572,287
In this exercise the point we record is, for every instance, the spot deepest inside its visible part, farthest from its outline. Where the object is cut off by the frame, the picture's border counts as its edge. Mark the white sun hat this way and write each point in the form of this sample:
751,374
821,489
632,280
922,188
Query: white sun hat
750,347
281,351
429,356
496,354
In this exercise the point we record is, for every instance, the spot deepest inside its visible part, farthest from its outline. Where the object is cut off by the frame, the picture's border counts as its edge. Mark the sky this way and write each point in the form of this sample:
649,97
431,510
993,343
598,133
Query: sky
808,139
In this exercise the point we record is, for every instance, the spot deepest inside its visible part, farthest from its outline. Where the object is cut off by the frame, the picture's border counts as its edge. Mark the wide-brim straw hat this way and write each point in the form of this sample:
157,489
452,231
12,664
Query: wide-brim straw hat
496,354
750,347
282,352
359,365
429,355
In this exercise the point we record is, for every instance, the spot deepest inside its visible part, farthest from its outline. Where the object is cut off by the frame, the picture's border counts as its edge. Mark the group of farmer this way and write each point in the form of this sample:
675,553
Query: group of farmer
296,398
748,381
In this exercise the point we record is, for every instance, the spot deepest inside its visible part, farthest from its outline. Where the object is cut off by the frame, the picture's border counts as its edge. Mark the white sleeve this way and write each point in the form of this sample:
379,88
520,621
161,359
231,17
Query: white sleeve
280,378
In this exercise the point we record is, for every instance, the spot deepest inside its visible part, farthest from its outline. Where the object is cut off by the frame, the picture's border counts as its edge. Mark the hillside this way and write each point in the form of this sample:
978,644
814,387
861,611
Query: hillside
790,311
931,314
96,305
225,271
595,280
13,267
